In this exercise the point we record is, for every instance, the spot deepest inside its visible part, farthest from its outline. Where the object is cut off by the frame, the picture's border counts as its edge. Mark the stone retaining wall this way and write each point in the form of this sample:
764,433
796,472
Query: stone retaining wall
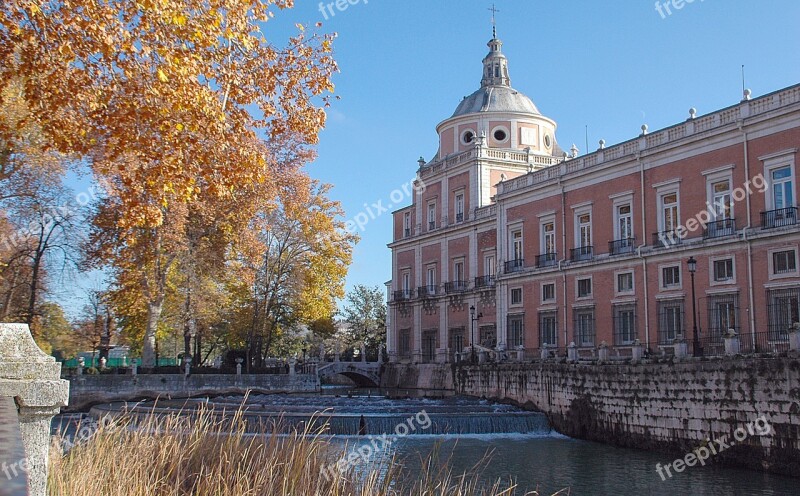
669,407
88,390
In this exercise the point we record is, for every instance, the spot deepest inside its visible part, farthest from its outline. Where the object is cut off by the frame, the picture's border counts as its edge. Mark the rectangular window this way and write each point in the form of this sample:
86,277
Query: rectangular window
549,237
548,332
784,312
784,262
459,204
669,212
456,339
584,326
516,296
431,216
516,244
670,321
404,345
406,281
670,277
548,292
488,336
489,266
723,314
723,270
584,288
721,199
624,224
431,275
429,345
625,282
516,331
624,324
458,270
407,225
782,188
584,230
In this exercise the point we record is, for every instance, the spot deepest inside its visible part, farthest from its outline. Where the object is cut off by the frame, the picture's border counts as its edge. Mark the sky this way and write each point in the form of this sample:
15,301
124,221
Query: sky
605,66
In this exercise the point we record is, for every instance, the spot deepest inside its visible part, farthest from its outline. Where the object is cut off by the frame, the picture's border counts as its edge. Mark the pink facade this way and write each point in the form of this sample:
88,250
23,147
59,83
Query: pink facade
591,252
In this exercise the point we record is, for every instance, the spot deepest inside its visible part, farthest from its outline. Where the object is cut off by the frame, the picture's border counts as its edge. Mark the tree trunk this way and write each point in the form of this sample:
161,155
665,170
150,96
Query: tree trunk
153,316
36,265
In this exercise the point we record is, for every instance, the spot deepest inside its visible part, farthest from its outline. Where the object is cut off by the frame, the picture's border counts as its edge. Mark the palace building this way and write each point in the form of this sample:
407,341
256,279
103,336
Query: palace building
517,245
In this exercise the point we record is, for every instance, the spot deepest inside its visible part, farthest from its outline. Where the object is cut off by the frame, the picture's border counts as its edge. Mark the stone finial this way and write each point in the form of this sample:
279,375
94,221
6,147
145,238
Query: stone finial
747,94
573,151
602,144
33,379
692,113
644,130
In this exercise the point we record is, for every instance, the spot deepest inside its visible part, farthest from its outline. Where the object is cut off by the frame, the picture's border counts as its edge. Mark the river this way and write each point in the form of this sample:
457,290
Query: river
519,445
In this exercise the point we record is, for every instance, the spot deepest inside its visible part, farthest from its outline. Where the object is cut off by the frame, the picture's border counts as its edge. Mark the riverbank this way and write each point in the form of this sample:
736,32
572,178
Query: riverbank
669,407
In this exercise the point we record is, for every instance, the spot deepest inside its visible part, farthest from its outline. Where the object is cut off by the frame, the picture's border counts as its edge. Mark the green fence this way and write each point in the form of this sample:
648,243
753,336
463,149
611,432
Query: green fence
115,362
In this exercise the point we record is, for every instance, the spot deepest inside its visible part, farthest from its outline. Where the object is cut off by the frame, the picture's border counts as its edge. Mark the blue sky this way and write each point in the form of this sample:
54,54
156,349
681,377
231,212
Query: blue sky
611,66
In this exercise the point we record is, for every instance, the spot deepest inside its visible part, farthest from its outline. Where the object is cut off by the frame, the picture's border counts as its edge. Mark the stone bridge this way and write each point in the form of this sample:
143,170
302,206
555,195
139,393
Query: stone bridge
364,374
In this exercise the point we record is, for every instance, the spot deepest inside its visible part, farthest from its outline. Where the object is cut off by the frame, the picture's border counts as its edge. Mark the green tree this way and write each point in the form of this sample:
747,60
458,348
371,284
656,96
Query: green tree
365,315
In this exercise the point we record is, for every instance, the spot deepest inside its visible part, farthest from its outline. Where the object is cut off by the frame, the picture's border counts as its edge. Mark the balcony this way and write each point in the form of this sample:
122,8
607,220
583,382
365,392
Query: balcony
427,291
484,282
546,260
514,266
431,225
403,294
779,218
460,217
407,232
720,228
622,246
666,239
581,254
456,287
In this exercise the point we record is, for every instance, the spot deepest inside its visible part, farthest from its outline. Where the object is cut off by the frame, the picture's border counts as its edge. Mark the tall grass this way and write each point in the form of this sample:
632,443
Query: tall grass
206,453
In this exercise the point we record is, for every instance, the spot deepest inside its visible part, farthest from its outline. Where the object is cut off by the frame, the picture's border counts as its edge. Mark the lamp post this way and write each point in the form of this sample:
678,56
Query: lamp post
698,351
472,334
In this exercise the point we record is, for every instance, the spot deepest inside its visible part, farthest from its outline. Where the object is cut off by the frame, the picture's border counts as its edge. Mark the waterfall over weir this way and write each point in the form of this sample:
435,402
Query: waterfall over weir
359,415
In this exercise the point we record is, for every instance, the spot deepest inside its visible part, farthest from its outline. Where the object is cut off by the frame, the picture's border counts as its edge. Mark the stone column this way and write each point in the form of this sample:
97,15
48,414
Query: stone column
572,352
794,337
33,379
602,352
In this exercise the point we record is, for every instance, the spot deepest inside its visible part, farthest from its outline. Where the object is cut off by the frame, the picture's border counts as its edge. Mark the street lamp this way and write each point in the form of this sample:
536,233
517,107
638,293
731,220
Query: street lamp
472,334
698,351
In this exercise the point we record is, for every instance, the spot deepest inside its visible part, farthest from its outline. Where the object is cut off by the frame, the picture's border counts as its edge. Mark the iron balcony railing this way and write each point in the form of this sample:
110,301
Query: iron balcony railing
581,253
484,282
720,228
621,246
407,232
426,291
514,265
431,226
546,260
403,294
666,239
460,217
456,287
779,218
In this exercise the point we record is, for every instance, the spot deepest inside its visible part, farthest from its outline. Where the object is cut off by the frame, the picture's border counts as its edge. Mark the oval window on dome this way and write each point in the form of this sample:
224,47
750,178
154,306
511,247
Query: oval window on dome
500,135
468,137
547,141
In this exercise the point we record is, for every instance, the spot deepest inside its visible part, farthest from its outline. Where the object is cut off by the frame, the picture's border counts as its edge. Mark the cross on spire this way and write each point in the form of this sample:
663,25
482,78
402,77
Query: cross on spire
494,20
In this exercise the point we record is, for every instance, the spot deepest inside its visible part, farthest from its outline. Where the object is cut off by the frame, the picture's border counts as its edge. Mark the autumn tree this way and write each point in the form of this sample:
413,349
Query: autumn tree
302,252
168,101
365,315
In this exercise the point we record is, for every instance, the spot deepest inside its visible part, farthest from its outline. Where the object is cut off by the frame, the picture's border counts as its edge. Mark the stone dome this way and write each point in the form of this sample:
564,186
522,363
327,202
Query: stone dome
496,99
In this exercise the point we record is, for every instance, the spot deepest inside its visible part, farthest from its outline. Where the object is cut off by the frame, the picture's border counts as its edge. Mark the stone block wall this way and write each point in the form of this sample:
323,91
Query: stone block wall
87,390
669,407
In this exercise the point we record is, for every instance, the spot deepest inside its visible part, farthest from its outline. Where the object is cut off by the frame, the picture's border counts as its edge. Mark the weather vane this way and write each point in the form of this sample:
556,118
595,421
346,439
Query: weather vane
494,20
